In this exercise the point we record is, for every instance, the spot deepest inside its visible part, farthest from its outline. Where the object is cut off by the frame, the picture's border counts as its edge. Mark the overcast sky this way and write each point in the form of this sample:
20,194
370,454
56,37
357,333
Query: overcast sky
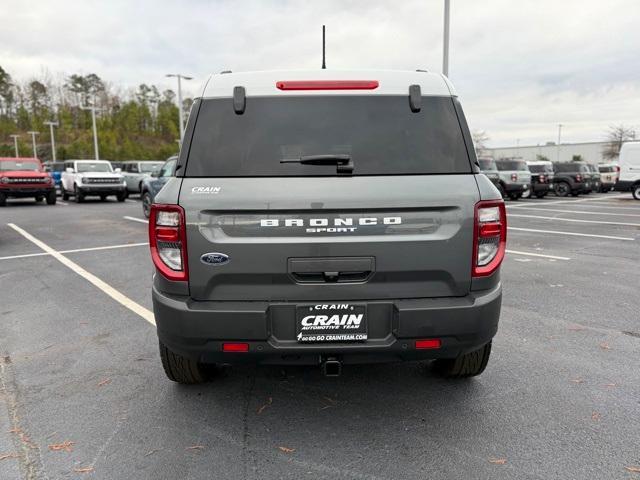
520,66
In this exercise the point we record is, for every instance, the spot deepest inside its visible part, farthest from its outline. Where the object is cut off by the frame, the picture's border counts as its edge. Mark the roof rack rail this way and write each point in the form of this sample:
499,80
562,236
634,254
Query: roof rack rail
225,71
422,70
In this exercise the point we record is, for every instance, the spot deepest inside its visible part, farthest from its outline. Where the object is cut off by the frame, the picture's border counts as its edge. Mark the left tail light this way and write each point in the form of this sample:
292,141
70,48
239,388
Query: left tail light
514,177
168,241
489,237
542,179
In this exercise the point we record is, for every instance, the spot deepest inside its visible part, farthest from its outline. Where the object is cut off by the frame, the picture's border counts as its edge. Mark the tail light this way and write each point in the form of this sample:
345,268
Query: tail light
168,241
542,178
578,178
489,237
514,177
617,167
327,84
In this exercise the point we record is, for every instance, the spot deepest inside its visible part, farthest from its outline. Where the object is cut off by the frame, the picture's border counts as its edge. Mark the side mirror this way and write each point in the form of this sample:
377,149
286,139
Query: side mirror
68,170
118,170
155,174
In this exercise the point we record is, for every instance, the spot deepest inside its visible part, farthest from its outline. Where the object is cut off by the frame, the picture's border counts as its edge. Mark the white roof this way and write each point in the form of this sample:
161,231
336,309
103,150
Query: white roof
264,83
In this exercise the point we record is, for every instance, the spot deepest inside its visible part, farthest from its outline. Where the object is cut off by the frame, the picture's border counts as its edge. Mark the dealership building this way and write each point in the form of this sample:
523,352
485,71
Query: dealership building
589,151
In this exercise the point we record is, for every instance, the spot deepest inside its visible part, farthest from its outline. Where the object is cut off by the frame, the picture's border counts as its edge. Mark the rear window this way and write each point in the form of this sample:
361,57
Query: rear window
380,134
571,167
505,165
487,164
606,169
540,168
55,167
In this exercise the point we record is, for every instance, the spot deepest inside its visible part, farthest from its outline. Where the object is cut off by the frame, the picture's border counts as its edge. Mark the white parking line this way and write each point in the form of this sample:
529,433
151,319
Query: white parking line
530,254
556,202
134,219
90,277
574,220
62,203
572,234
585,212
90,249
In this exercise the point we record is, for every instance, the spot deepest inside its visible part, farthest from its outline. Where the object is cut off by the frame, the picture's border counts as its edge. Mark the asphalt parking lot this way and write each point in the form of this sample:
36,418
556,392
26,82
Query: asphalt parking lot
83,394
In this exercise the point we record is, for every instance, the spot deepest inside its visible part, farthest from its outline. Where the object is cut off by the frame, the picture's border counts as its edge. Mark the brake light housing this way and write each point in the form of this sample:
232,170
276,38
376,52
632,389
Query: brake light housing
578,177
542,178
489,237
327,84
168,241
514,177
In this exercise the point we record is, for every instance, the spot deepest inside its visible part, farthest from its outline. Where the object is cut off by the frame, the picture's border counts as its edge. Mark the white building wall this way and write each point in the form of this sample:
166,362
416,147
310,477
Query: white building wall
590,151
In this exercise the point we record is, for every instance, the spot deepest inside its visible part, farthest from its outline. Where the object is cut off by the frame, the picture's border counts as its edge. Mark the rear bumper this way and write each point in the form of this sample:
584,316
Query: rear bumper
516,187
198,329
540,187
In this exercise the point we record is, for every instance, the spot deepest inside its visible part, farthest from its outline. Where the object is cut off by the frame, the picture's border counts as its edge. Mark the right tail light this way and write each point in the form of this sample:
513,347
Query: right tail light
514,177
168,241
489,237
578,178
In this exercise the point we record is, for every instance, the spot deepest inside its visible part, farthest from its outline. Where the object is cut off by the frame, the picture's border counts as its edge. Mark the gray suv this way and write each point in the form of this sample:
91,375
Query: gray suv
515,178
326,218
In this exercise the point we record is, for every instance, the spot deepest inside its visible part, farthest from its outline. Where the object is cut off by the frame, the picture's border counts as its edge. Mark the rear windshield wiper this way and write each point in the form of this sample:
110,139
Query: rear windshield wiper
342,162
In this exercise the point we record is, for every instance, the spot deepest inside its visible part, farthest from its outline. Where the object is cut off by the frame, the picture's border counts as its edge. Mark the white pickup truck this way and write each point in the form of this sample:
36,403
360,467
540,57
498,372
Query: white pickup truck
82,178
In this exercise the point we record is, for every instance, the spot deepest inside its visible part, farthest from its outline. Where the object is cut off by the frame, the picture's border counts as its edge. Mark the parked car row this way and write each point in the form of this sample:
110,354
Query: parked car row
516,178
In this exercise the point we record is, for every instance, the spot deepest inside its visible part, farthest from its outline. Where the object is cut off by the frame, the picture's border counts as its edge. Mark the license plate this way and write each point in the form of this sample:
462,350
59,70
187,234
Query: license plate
331,322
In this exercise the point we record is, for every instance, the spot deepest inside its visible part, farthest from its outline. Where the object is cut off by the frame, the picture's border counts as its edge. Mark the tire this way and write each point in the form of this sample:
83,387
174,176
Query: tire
122,196
52,197
562,189
501,190
526,193
140,188
65,195
78,195
181,369
468,365
146,204
39,198
515,196
574,194
3,199
635,191
126,193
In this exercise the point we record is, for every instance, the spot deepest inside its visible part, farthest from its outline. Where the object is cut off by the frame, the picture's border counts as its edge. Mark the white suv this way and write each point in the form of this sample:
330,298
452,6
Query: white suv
92,177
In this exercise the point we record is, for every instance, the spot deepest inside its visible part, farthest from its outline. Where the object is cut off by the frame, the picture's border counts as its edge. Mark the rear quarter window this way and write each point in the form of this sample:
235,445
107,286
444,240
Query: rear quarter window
380,133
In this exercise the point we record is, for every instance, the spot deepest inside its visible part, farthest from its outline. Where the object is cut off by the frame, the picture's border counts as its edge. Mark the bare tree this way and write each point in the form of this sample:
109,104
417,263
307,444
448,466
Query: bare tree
616,136
480,139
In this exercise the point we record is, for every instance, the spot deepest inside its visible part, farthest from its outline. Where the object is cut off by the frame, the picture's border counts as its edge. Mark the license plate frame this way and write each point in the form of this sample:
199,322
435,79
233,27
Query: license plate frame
331,323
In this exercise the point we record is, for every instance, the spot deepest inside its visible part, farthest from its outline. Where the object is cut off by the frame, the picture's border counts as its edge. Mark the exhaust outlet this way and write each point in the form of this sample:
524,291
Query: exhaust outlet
332,367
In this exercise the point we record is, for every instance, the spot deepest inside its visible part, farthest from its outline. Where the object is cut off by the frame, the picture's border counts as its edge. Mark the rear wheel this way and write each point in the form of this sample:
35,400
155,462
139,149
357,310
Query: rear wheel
146,204
515,196
636,191
3,199
467,365
563,189
181,369
52,197
122,196
65,195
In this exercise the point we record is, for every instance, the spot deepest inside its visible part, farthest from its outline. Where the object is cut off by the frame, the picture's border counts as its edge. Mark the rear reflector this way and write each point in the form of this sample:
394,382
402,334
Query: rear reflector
428,344
327,84
235,347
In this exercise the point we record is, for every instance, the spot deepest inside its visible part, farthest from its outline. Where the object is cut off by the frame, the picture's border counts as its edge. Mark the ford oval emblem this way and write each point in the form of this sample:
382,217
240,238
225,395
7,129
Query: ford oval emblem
214,258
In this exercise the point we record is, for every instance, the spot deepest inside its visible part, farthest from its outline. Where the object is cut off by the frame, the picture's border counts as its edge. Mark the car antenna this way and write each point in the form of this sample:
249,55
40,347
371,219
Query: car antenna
324,63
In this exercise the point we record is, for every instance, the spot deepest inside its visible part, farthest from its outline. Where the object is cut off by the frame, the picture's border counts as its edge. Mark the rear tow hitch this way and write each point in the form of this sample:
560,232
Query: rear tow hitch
331,367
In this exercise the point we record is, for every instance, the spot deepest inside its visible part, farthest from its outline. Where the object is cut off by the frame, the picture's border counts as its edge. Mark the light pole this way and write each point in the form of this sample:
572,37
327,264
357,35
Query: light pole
180,77
93,109
559,137
53,141
445,42
33,142
15,143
